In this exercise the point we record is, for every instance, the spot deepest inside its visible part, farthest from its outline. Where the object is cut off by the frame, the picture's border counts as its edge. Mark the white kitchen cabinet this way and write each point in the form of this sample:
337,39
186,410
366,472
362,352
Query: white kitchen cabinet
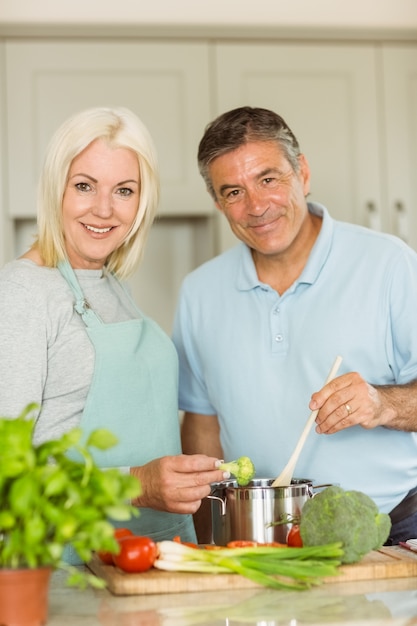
333,98
6,230
399,79
166,84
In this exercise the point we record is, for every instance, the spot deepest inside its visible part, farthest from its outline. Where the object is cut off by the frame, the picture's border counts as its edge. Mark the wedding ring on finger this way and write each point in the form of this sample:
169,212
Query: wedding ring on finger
348,409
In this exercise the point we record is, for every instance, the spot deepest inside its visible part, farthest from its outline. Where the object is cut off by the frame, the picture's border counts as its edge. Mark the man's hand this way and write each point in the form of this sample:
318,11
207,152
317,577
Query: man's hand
347,401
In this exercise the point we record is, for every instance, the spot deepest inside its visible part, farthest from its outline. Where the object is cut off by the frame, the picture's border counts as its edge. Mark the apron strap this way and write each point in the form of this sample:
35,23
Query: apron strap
81,306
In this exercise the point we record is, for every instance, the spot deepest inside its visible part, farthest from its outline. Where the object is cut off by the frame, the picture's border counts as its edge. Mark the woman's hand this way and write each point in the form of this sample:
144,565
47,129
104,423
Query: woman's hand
177,484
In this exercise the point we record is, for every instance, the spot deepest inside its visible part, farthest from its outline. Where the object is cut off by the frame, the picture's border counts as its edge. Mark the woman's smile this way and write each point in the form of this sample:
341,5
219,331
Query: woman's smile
99,231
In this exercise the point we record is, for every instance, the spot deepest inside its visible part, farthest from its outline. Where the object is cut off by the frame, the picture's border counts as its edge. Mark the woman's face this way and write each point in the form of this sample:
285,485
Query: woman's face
100,202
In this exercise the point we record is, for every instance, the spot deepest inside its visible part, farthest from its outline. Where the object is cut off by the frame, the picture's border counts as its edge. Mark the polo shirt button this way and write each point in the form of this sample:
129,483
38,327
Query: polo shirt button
279,338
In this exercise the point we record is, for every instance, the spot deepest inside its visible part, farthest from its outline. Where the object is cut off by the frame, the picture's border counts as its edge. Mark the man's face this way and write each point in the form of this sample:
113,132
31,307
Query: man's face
261,196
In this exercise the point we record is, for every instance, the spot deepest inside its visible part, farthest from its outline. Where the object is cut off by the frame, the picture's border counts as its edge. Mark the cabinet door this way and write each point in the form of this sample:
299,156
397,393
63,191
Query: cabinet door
400,97
6,244
327,93
166,84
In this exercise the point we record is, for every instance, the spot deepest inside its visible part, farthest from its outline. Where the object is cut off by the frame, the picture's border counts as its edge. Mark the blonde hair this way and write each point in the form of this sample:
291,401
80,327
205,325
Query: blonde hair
121,128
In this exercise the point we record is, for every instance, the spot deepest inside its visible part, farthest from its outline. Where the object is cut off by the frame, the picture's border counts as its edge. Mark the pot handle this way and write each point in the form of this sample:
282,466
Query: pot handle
222,503
320,487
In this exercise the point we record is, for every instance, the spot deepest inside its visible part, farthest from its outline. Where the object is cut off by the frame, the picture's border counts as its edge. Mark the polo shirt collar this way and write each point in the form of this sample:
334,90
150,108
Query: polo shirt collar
247,277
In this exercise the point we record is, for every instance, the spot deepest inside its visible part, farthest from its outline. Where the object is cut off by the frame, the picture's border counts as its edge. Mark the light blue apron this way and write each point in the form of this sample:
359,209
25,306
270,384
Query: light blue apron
134,394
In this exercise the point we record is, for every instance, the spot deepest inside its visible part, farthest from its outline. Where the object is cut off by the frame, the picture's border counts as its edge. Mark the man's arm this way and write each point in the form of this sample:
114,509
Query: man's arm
200,434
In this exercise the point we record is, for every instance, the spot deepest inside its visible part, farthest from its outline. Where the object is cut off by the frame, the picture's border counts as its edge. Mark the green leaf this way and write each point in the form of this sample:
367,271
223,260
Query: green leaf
82,579
122,513
88,514
35,531
7,520
102,439
67,527
131,487
53,552
17,454
10,467
56,482
23,494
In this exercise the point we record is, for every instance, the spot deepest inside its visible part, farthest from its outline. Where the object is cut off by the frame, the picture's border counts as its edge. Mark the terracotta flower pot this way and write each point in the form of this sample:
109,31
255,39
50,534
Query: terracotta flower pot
24,596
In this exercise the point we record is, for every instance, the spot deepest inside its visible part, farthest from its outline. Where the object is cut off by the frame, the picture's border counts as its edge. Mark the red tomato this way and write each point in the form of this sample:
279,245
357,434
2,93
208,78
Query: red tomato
119,533
190,544
107,557
294,538
137,554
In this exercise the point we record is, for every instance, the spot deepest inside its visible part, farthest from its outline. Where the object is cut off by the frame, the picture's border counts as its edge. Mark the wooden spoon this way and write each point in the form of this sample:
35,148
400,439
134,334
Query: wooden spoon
284,479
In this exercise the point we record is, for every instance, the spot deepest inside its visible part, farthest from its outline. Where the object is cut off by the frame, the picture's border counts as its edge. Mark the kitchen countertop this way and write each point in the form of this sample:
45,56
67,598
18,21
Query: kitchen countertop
362,603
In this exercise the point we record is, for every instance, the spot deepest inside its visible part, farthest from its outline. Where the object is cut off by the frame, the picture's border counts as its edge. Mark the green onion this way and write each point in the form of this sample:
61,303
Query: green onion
278,568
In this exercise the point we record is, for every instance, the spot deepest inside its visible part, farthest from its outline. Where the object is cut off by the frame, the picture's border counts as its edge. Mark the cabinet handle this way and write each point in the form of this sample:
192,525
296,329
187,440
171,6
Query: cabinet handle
374,217
401,220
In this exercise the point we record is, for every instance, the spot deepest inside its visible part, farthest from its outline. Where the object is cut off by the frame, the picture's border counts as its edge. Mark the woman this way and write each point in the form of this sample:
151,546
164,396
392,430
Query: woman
71,337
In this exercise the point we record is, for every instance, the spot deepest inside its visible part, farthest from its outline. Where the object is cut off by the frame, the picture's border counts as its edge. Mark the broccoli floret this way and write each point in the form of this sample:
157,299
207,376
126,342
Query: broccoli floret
242,469
350,517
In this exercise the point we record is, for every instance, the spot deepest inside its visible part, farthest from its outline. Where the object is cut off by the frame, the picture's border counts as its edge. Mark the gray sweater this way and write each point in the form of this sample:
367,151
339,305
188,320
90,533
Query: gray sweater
45,353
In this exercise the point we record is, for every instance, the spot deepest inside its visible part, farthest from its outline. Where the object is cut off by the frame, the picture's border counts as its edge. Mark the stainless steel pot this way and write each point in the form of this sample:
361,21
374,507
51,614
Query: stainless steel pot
251,512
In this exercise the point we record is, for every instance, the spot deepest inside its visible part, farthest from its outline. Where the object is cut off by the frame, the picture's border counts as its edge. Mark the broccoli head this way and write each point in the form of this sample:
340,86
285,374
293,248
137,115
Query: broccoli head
242,469
350,517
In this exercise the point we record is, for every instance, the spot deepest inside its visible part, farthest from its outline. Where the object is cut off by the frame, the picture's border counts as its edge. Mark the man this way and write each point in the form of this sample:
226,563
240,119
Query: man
258,328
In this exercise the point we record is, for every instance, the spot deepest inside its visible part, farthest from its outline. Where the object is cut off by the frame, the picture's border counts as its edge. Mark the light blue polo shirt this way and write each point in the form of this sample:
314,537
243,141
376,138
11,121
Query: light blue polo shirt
254,358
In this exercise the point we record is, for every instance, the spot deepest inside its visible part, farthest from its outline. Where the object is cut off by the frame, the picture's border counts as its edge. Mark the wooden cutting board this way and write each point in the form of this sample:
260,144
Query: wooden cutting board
390,562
